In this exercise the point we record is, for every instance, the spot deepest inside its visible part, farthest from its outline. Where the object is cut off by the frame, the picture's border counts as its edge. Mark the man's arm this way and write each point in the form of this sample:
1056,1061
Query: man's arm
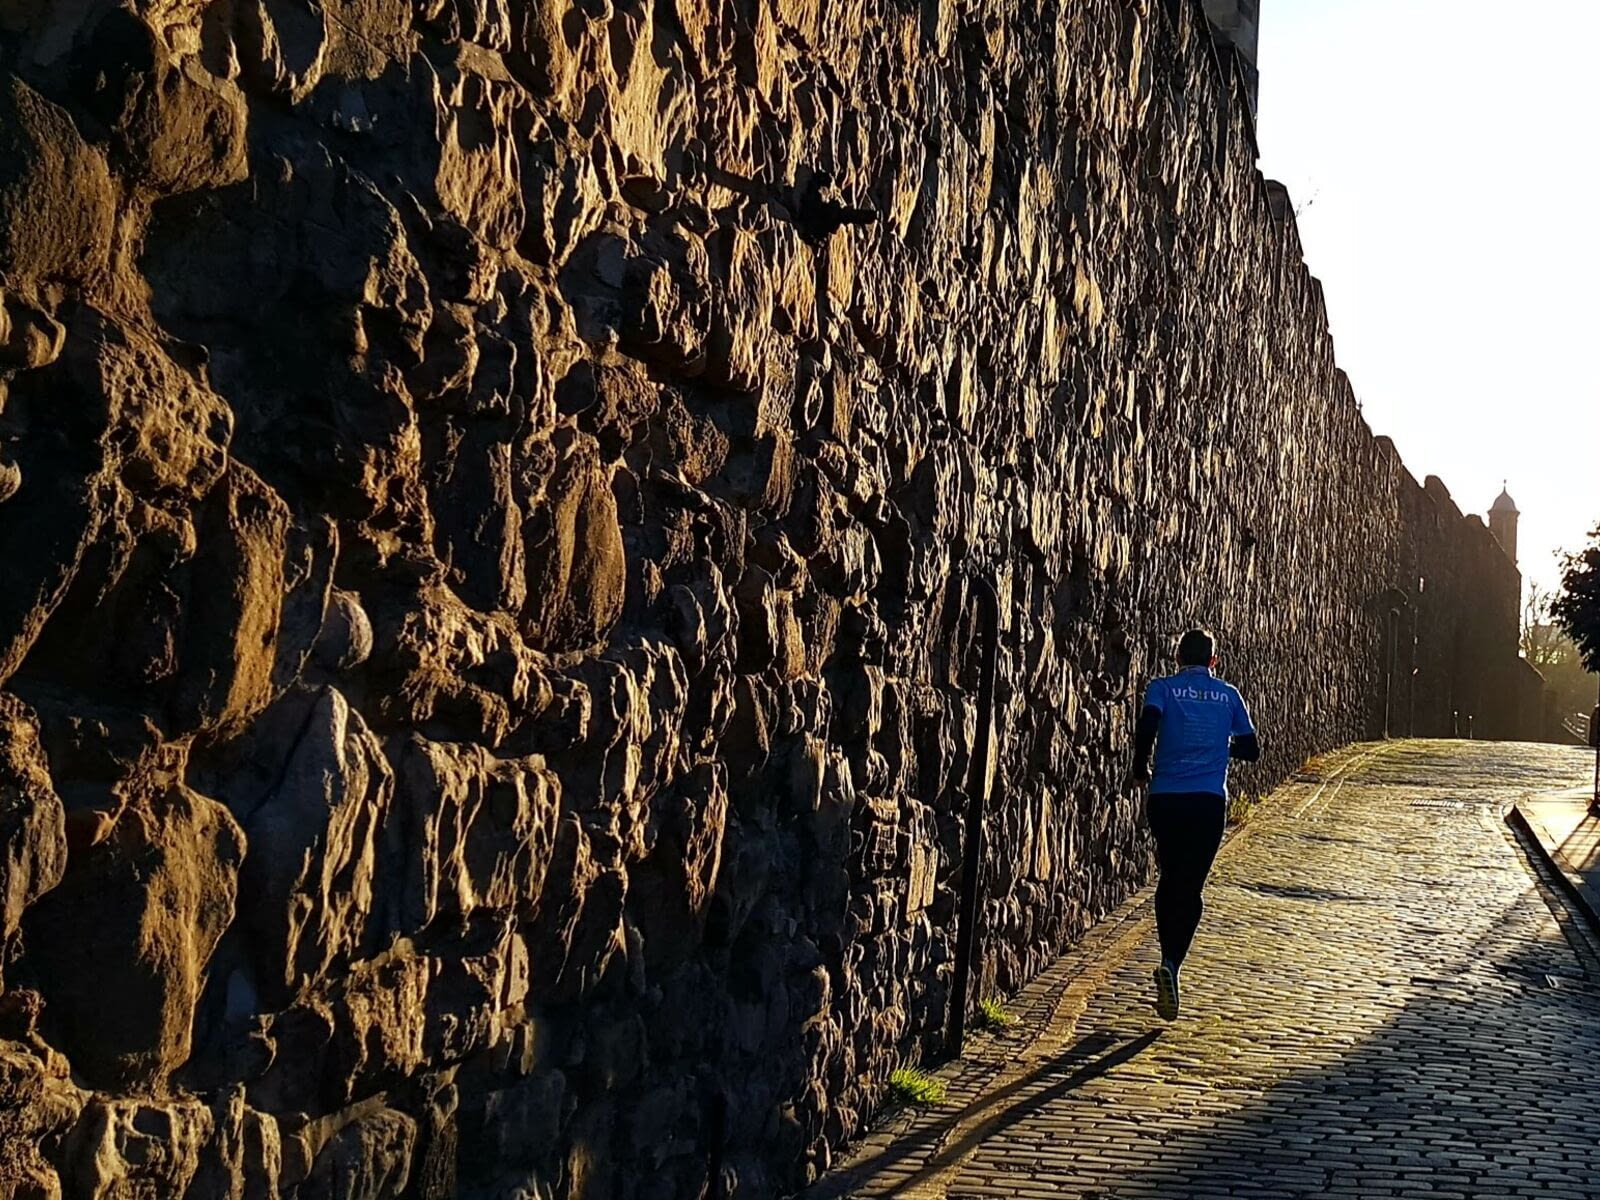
1246,747
1244,744
1144,740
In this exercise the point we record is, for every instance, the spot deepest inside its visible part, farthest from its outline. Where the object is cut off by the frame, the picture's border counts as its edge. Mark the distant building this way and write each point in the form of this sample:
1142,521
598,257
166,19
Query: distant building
1452,657
1503,516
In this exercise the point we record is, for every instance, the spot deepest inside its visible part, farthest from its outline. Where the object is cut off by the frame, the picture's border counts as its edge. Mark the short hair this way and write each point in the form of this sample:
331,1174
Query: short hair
1197,648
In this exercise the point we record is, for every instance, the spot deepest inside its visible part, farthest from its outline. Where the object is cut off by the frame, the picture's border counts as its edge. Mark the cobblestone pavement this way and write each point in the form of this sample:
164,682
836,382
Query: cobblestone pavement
1385,999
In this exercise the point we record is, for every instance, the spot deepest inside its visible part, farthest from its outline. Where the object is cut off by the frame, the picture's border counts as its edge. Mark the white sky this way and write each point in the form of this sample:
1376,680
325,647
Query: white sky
1445,159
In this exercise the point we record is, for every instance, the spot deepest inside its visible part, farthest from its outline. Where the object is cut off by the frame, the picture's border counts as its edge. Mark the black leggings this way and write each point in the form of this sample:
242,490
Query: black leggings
1188,828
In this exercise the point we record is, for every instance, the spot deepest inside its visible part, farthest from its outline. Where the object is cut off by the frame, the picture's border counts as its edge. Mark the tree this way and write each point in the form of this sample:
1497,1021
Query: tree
1577,609
1546,645
1544,642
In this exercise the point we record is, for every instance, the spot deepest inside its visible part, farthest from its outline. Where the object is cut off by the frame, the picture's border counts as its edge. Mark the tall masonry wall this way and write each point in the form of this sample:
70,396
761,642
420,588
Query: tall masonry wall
493,496
1453,665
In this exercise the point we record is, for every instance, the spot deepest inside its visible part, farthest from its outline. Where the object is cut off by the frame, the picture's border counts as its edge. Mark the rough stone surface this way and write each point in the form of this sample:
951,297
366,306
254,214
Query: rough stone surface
33,841
120,946
489,494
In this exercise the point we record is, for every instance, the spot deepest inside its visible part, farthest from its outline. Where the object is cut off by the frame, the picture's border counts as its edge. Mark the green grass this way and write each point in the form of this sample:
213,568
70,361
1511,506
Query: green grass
913,1087
993,1015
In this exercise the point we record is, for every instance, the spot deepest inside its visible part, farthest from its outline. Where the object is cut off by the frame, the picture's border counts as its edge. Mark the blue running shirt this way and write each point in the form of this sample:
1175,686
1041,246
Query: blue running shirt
1199,715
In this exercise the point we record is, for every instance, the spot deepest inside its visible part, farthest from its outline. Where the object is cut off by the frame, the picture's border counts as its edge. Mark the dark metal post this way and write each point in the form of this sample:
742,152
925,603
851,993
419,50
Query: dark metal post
1393,640
977,804
1594,740
1411,681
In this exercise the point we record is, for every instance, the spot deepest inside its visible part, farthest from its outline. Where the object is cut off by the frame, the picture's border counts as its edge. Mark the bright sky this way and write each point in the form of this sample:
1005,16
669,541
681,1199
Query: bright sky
1444,159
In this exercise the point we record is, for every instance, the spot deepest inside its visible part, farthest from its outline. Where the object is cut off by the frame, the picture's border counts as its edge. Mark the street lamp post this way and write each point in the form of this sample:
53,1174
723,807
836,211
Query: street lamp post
1594,740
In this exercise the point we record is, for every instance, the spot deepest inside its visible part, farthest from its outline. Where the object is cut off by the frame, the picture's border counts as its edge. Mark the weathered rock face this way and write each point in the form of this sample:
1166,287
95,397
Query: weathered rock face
120,947
33,844
489,495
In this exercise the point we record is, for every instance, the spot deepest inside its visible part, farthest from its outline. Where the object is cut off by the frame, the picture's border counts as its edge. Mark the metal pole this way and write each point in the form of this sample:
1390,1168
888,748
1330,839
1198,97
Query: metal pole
977,803
1393,640
1594,740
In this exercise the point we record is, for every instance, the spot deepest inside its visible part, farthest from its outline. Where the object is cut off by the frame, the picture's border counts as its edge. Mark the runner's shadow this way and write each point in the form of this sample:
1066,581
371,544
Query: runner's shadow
1292,892
1087,1059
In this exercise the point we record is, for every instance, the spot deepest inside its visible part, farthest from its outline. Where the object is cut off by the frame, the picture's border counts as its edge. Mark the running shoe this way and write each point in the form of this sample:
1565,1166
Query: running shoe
1167,991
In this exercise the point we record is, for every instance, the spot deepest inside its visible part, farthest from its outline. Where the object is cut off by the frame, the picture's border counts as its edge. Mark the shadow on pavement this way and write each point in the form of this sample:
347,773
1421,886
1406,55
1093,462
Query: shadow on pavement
1087,1059
1482,1086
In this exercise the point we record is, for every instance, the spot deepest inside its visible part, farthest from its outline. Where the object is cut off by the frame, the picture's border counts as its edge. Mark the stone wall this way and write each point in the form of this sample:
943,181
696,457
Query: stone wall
1457,607
491,495
1238,26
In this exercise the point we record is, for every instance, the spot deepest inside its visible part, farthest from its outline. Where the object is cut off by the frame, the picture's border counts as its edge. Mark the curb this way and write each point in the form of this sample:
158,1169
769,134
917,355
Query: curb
1579,890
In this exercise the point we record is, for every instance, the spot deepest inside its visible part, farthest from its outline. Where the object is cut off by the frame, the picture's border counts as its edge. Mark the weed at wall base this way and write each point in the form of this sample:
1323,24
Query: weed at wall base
916,1088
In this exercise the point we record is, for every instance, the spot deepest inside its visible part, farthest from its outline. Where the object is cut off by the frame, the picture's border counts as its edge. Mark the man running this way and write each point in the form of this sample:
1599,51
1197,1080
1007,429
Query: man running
1196,723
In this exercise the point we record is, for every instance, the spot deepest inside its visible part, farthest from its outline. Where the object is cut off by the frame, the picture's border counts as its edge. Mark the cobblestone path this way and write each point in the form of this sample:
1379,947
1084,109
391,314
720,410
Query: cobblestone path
1385,999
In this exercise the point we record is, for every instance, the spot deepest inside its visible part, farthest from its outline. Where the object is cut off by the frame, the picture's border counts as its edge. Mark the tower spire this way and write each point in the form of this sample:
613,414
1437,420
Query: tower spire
1503,516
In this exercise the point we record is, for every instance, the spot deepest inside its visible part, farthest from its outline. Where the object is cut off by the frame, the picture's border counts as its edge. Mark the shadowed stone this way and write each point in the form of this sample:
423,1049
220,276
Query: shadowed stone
136,917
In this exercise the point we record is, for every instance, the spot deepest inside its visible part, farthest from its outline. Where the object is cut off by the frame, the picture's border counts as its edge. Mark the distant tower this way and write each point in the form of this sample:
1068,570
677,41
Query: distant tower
1503,523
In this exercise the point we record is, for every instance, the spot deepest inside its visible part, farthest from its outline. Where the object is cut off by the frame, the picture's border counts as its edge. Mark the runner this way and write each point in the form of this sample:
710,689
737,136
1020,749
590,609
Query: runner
1196,723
